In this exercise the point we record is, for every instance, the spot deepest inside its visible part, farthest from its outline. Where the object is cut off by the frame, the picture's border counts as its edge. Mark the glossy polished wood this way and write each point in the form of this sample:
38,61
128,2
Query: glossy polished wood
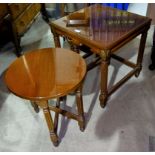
107,26
108,30
45,73
49,73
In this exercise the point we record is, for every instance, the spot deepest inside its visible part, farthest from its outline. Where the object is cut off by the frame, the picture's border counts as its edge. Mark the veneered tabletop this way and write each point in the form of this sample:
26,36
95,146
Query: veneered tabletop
107,27
45,73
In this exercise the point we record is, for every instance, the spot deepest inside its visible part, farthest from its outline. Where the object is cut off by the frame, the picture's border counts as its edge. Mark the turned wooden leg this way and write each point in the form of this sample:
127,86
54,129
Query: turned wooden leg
141,53
79,101
104,78
55,36
49,121
56,118
57,40
35,106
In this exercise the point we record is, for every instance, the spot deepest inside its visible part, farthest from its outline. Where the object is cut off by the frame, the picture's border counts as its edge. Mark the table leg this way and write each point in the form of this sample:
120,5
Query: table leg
79,101
104,78
152,65
49,121
56,118
141,53
56,37
35,106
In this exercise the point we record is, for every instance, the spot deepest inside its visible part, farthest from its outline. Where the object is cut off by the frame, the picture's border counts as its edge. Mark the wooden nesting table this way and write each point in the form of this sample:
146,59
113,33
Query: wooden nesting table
45,74
107,30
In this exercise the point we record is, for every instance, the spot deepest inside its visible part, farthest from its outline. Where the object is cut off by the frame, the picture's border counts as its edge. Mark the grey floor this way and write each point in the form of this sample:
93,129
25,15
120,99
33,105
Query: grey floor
126,124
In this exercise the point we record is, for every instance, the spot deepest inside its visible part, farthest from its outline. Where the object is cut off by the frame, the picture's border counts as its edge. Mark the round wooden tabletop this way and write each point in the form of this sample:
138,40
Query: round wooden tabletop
45,73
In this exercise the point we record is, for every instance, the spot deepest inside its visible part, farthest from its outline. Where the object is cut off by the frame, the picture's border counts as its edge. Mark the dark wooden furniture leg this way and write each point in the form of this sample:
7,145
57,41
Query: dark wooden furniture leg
141,53
17,45
104,77
56,118
56,37
152,65
44,12
14,36
79,101
35,106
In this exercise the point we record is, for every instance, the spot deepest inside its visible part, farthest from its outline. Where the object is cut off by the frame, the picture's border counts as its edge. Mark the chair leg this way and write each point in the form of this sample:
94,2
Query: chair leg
49,121
79,100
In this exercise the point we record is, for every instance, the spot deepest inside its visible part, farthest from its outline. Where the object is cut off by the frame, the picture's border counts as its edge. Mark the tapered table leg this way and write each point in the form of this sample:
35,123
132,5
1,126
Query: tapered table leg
56,37
49,121
141,53
79,101
56,118
104,78
35,106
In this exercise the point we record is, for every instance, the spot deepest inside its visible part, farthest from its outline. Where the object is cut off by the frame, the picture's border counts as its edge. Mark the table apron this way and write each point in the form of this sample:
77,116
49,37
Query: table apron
78,40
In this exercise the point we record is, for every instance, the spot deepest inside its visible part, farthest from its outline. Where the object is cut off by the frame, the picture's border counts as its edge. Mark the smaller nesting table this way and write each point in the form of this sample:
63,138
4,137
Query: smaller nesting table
45,74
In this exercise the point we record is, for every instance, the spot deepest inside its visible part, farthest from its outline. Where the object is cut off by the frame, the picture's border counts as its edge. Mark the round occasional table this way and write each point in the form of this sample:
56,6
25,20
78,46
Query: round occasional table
49,73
